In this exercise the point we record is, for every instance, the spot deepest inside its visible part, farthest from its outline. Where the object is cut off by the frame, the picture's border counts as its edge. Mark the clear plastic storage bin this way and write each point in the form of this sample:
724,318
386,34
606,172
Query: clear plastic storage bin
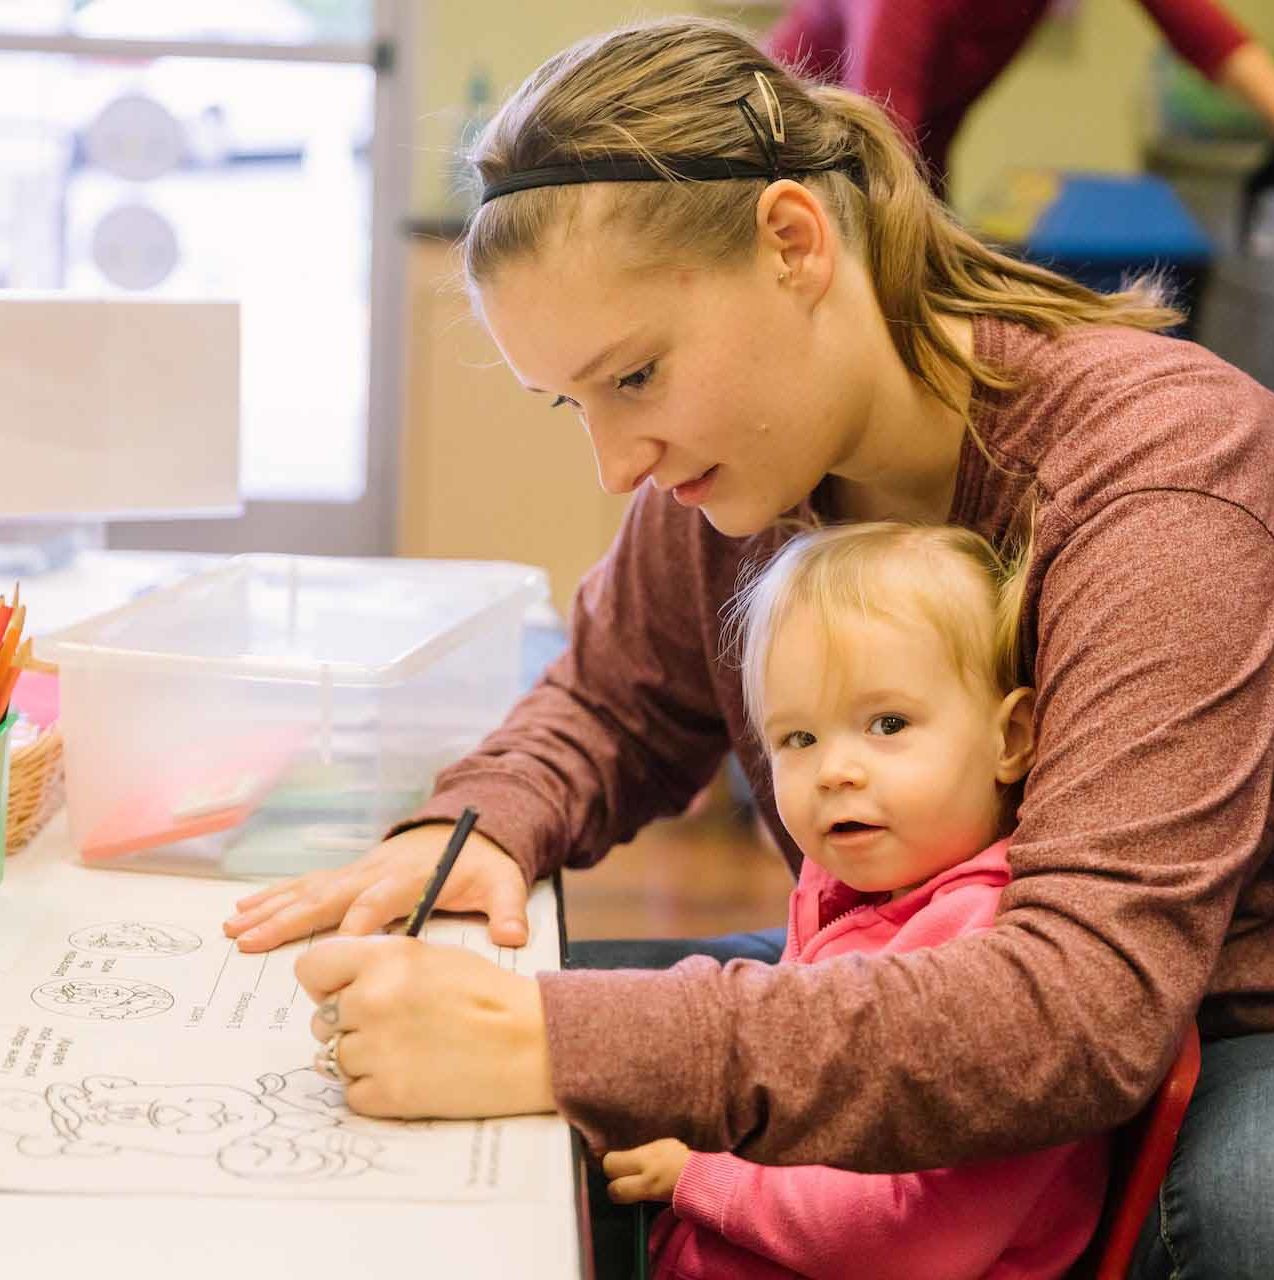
279,713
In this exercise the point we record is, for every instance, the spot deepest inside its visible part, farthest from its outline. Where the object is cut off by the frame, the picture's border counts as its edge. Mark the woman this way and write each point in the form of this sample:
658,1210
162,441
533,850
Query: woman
744,289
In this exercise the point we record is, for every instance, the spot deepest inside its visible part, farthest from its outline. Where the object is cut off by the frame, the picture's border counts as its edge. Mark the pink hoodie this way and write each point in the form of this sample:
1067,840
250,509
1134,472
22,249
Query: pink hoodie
1020,1217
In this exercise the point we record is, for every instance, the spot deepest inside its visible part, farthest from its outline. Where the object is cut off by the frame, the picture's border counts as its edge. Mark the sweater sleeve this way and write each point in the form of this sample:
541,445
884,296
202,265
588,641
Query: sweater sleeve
1202,32
1142,818
811,37
623,728
943,1224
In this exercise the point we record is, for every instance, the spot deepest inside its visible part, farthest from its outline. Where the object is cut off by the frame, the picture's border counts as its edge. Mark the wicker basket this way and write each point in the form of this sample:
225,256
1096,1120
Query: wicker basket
36,787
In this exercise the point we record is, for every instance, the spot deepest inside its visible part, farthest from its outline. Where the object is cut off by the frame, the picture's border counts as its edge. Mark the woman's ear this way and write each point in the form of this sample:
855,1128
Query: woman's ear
1015,725
796,241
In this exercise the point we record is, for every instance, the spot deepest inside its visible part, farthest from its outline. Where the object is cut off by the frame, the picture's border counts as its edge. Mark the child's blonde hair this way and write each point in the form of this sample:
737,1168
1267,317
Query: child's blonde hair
949,578
671,88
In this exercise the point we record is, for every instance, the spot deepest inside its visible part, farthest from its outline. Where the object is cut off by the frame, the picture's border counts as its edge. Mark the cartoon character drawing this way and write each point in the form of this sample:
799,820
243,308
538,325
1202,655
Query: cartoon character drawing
136,938
104,1115
110,999
294,1128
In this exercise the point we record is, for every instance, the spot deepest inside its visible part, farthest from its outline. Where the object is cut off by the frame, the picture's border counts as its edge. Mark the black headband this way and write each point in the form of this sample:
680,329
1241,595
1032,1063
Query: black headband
634,169
696,168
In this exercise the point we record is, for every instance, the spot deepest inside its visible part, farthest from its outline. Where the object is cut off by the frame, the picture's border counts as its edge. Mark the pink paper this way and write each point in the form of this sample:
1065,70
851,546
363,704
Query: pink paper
36,696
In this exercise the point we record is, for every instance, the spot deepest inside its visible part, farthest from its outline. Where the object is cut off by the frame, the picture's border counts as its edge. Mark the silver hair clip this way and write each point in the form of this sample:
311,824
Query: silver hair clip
773,107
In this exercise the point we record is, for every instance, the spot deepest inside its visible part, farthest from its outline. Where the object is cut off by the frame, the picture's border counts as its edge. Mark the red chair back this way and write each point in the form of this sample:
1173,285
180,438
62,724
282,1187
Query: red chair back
1143,1148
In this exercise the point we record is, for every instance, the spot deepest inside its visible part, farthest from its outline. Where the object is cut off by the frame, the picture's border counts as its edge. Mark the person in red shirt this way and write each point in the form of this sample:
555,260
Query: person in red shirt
929,60
738,283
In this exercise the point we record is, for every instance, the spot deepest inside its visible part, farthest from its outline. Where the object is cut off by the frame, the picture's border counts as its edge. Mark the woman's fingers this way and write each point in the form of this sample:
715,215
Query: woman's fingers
368,1097
352,1056
289,923
506,904
333,963
331,1016
320,896
248,917
263,895
297,907
381,902
384,884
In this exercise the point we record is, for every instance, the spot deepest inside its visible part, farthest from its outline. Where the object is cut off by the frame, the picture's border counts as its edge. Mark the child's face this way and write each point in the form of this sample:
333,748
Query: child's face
885,762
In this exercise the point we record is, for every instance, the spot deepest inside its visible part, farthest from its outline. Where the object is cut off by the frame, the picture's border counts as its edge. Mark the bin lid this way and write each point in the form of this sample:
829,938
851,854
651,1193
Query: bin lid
1094,218
1116,218
308,618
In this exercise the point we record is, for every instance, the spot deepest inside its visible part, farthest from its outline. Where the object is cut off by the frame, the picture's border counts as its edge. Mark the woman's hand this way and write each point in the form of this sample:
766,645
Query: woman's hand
428,1031
385,884
649,1172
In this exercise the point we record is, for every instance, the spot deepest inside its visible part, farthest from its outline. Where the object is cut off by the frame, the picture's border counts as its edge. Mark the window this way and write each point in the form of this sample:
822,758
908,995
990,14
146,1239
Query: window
245,149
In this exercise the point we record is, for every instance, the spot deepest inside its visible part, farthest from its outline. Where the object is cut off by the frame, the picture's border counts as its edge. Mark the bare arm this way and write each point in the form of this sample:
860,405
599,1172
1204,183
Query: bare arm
1249,73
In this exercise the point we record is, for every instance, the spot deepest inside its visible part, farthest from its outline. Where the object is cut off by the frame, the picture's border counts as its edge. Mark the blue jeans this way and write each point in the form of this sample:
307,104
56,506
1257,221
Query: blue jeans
616,1238
1215,1216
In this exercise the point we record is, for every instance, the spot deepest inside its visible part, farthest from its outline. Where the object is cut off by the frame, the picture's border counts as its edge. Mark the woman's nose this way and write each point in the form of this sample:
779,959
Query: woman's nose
622,463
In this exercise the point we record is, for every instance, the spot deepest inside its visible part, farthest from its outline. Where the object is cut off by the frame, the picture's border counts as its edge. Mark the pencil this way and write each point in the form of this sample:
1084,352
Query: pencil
12,634
9,676
441,872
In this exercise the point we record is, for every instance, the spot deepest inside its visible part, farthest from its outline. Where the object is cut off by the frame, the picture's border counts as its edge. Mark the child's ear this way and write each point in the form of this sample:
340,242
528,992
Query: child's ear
1015,723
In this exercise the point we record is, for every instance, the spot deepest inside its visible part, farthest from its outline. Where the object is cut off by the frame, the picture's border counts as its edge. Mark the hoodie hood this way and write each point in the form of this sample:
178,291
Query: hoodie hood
820,899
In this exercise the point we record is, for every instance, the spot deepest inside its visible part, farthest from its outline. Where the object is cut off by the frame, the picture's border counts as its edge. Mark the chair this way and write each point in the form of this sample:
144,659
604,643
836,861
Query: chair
1142,1150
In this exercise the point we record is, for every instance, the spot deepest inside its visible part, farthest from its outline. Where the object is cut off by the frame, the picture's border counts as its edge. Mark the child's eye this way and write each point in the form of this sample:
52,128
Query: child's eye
561,400
798,738
637,380
889,725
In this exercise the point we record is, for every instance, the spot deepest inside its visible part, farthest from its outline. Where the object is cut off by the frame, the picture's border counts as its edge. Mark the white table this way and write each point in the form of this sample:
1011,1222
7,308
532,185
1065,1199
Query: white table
134,1237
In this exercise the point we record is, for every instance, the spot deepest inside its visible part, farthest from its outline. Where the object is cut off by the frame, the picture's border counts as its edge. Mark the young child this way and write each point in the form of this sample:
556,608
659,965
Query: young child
880,668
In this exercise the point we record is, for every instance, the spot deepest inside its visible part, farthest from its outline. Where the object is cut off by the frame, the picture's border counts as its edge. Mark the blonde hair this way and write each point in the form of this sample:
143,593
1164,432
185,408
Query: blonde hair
670,88
947,577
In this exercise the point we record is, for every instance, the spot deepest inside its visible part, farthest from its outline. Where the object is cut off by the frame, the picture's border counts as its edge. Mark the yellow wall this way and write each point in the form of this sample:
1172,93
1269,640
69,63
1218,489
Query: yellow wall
1075,97
507,39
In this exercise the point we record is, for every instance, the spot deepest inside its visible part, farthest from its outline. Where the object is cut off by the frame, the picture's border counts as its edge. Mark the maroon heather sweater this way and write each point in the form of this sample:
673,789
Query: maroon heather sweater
930,59
1140,877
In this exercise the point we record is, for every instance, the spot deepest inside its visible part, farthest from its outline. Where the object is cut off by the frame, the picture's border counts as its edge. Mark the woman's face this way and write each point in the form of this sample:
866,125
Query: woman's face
714,383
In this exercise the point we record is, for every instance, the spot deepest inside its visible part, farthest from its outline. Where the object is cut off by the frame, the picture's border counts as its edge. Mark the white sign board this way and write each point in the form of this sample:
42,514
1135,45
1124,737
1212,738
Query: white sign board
118,407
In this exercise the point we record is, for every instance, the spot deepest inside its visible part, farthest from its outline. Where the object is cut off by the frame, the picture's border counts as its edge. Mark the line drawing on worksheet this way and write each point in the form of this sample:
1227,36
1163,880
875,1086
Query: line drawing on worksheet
143,1052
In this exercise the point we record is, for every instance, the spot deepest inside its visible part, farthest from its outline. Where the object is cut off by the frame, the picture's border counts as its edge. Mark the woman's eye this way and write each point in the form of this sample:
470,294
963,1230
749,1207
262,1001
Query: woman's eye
889,725
798,738
561,400
635,381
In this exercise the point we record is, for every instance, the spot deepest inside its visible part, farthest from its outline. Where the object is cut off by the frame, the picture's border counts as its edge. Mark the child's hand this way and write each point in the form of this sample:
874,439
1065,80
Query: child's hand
645,1173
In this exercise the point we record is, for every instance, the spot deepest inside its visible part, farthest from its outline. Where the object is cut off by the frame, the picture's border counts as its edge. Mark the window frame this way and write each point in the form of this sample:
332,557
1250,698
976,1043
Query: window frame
367,526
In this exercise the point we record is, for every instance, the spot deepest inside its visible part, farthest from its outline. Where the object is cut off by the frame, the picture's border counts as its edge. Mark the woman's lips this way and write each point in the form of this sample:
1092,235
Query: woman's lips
693,492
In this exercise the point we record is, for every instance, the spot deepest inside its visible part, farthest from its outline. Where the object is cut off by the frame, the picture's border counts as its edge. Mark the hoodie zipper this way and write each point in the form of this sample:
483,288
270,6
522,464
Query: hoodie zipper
834,921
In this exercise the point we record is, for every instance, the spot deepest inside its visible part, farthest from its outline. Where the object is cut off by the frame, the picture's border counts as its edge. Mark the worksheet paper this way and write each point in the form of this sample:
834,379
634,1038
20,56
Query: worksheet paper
142,1052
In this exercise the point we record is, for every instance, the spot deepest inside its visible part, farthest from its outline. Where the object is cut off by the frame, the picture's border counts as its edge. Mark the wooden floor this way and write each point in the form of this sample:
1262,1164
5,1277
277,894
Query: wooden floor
686,877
